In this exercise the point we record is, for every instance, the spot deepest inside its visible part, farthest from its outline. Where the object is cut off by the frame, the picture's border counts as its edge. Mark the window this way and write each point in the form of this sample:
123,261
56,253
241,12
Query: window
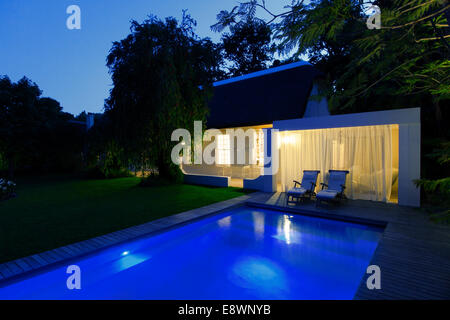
223,152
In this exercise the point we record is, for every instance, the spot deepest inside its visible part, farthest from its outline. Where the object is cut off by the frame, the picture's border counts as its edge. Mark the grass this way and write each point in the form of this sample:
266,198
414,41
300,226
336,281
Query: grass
53,212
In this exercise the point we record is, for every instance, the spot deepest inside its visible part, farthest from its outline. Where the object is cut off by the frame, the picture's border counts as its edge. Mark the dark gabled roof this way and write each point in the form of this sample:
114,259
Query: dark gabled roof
262,97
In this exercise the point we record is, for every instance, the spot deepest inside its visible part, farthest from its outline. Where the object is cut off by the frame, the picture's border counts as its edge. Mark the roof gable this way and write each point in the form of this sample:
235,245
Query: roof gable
262,97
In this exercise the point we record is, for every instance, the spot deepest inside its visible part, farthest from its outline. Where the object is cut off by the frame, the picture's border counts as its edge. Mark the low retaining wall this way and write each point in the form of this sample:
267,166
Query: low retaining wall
262,183
215,181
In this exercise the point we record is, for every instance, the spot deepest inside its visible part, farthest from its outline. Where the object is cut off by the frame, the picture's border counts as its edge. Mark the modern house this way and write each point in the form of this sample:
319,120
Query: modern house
293,131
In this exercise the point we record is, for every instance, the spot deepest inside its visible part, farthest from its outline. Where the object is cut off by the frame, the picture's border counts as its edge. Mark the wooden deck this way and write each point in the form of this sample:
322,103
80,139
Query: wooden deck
413,253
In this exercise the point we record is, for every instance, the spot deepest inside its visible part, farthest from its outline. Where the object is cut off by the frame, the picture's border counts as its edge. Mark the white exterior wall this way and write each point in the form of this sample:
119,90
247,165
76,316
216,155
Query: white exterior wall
199,179
266,182
409,164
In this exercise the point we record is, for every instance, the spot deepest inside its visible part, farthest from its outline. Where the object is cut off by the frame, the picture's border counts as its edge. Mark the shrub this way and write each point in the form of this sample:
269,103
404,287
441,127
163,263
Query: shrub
98,172
7,189
110,164
117,173
155,180
437,198
3,165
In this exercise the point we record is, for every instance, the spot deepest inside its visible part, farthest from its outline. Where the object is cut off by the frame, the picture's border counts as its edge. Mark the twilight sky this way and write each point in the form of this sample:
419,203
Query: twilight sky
69,65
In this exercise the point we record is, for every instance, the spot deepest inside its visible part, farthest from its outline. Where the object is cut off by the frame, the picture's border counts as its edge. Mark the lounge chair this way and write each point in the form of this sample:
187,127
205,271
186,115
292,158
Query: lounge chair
335,187
305,189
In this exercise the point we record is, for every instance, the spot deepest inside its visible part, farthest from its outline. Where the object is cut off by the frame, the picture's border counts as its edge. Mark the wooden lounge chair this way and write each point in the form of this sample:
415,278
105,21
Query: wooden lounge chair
305,189
335,187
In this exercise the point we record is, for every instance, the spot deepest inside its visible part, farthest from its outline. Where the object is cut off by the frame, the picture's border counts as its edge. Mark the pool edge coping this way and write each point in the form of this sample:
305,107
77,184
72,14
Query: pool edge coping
14,270
381,223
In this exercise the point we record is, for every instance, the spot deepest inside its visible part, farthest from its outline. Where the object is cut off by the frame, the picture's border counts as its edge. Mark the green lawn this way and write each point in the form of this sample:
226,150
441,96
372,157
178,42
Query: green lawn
52,212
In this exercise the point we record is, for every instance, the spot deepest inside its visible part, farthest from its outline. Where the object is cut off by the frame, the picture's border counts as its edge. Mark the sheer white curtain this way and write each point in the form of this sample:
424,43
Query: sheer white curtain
365,151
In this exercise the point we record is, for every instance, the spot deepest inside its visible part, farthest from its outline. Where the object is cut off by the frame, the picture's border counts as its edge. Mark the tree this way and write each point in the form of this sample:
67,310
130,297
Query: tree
162,75
33,131
19,119
82,116
247,47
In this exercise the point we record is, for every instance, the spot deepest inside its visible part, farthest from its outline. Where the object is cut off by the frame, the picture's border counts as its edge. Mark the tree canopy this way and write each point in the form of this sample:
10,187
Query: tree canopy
162,74
247,47
33,131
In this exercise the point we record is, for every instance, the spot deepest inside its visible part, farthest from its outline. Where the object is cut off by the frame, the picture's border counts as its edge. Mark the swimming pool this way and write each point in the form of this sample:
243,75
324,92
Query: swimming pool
245,253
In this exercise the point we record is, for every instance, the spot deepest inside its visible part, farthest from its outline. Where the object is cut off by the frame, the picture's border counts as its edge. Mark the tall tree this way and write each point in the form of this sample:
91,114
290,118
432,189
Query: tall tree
247,47
162,74
18,119
31,127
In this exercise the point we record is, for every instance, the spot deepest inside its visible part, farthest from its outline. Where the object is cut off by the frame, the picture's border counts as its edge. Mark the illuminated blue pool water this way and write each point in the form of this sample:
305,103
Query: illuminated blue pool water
245,253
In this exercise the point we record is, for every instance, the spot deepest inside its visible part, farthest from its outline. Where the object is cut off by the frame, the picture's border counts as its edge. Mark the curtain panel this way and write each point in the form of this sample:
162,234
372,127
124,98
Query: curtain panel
367,152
